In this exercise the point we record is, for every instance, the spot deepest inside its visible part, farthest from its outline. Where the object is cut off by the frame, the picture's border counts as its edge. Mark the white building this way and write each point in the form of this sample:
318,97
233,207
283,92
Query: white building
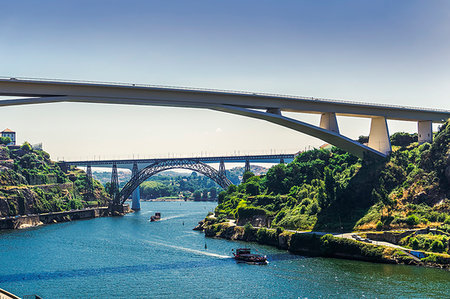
11,134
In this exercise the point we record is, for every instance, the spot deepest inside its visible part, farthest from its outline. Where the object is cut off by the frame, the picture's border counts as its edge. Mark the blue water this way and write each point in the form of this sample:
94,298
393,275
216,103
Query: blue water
130,257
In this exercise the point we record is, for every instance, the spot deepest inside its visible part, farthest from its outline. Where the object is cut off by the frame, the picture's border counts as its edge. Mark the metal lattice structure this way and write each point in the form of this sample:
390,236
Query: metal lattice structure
247,166
222,168
157,167
114,182
89,181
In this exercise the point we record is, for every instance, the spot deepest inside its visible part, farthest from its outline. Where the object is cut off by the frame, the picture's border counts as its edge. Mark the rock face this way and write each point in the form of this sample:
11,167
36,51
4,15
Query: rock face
255,221
199,227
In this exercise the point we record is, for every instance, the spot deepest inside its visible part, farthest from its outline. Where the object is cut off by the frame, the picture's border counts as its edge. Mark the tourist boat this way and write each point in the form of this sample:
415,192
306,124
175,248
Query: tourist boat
155,217
244,255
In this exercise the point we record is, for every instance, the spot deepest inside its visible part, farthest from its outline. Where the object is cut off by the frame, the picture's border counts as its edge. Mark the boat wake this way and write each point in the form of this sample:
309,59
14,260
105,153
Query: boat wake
199,252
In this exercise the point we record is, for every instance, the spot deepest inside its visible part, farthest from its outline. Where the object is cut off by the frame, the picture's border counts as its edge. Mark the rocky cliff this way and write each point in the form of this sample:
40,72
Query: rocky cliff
31,183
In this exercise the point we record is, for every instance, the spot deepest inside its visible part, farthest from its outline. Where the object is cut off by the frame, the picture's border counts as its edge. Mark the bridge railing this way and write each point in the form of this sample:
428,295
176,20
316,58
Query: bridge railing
234,92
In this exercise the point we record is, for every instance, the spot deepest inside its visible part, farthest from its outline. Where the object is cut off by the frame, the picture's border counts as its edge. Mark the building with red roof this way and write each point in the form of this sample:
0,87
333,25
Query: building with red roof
11,134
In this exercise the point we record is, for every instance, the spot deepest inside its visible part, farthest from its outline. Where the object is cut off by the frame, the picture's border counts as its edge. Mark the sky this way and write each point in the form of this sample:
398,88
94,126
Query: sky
394,52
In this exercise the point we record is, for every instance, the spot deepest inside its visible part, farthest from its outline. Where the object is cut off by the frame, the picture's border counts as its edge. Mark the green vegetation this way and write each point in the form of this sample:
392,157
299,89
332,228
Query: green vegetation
426,242
334,191
31,183
5,140
313,244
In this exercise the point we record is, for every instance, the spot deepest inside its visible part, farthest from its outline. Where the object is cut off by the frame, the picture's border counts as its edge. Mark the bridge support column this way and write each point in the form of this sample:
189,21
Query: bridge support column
222,171
247,166
136,203
276,111
379,135
328,122
89,182
114,184
425,131
281,161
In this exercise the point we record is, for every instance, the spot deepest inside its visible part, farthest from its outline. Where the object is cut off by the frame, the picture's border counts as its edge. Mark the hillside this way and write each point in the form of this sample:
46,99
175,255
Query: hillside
334,191
31,183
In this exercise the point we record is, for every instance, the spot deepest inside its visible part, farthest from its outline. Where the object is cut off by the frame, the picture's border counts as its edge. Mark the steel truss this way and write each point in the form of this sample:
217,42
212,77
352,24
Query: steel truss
157,167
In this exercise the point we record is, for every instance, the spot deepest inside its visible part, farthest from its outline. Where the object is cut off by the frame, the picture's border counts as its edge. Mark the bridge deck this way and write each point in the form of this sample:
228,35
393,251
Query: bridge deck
128,163
50,91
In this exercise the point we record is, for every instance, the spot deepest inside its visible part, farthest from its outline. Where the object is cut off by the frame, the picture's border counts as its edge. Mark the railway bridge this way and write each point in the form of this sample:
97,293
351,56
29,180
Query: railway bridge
142,169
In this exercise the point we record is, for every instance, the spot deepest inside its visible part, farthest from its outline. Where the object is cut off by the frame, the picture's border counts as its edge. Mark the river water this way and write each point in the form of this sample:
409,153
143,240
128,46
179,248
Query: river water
130,257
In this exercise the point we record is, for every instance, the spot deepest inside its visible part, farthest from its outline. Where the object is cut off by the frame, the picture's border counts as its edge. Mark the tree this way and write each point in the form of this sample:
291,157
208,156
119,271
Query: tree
232,189
330,184
252,188
247,175
26,146
363,139
5,140
403,139
213,192
275,179
205,194
197,195
221,197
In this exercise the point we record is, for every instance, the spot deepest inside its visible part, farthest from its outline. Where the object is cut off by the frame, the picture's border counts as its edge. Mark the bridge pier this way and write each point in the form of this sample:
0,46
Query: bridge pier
222,170
379,135
328,121
114,184
425,131
136,197
247,166
89,181
281,161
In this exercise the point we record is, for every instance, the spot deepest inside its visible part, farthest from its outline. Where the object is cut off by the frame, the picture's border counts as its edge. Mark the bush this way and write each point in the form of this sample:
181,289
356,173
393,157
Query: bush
267,236
248,212
231,189
379,225
414,243
313,208
26,146
412,220
5,140
437,246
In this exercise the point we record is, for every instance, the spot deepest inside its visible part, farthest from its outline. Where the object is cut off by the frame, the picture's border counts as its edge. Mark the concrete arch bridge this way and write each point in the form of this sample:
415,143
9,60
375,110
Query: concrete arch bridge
268,107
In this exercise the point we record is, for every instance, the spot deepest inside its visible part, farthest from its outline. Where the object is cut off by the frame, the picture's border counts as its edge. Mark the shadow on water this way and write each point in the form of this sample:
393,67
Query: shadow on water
131,269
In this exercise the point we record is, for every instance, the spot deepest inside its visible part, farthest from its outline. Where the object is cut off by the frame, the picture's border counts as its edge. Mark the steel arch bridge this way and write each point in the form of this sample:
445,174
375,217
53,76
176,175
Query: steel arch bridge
194,165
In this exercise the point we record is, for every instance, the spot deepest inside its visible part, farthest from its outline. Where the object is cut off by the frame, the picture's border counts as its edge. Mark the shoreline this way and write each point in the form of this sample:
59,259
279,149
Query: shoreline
175,200
320,244
35,220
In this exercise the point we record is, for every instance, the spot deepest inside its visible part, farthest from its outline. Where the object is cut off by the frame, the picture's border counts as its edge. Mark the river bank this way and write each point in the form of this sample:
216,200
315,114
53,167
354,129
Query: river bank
86,259
27,221
324,245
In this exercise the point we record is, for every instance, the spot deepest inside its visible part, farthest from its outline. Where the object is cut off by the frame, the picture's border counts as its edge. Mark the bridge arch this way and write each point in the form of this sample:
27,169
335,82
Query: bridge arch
164,165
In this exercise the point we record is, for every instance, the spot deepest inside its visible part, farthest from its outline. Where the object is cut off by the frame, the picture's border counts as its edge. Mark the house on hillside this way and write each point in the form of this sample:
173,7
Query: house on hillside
11,134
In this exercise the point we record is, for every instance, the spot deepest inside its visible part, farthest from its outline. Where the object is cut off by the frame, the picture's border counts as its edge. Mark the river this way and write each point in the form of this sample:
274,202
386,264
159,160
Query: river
130,257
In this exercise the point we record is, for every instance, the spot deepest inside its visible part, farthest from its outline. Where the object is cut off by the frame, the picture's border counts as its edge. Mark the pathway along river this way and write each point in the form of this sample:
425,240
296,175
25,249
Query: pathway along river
130,257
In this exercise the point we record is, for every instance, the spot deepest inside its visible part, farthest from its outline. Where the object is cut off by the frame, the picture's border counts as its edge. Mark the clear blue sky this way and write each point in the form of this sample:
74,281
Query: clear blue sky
394,52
